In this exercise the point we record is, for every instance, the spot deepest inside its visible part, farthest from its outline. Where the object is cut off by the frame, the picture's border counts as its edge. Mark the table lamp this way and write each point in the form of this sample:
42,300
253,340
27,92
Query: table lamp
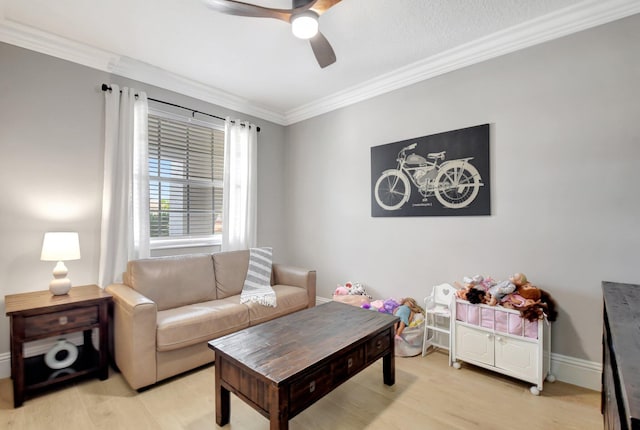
60,247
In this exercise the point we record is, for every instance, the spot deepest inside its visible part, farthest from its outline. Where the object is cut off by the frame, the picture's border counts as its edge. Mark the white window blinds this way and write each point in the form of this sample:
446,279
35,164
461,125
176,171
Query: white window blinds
186,163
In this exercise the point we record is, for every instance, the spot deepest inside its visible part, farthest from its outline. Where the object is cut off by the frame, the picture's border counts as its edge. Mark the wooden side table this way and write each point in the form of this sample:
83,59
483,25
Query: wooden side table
41,315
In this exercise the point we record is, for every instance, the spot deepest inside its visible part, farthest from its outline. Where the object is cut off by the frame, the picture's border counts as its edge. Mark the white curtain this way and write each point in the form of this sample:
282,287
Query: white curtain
124,232
240,186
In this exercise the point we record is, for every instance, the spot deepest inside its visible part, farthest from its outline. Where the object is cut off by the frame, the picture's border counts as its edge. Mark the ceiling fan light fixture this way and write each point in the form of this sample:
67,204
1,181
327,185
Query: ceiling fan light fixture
305,25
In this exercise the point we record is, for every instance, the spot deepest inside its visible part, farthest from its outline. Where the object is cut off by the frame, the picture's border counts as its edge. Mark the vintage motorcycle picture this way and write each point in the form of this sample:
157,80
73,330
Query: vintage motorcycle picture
421,177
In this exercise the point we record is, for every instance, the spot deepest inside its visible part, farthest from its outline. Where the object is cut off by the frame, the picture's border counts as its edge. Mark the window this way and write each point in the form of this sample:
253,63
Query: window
186,163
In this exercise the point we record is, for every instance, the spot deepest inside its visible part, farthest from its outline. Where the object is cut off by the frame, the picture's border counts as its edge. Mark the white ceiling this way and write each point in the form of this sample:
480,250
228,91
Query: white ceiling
258,67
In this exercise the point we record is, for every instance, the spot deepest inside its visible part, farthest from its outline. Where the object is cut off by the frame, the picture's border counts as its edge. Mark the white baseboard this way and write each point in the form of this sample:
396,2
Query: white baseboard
5,365
586,374
575,371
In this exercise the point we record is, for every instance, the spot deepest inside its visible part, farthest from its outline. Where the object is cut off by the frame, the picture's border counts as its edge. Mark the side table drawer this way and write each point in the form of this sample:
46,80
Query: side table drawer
54,322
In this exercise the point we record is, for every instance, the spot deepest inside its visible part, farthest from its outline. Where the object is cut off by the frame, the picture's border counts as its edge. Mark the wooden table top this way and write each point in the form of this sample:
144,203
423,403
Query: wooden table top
36,301
281,348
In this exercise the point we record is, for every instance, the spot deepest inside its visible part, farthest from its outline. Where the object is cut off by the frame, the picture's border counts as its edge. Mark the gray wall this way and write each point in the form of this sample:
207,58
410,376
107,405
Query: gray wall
564,147
51,167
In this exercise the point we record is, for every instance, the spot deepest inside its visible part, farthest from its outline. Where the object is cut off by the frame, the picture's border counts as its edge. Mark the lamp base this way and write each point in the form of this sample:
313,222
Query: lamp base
59,287
61,284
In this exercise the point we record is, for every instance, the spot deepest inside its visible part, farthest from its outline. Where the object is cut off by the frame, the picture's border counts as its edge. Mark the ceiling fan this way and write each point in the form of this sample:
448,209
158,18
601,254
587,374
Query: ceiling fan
303,17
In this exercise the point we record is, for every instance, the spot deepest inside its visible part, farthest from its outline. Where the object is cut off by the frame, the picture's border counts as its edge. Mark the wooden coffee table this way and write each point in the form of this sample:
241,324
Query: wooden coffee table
283,366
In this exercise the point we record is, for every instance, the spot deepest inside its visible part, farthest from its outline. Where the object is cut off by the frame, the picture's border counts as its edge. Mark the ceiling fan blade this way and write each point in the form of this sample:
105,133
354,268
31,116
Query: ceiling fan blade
322,50
321,6
232,7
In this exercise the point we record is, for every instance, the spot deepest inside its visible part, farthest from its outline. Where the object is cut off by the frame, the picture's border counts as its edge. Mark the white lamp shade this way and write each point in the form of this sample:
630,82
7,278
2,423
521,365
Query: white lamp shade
305,25
60,246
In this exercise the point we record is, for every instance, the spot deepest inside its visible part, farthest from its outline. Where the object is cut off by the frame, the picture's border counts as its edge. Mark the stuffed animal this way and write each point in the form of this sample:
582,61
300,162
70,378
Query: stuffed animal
341,291
376,305
351,289
389,306
358,289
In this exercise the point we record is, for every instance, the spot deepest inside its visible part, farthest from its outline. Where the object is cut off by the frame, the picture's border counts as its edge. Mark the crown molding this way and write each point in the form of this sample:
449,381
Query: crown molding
50,44
563,22
584,15
153,75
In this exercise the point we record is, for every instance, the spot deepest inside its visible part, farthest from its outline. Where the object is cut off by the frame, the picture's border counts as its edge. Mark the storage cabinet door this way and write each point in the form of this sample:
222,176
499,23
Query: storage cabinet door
517,356
474,345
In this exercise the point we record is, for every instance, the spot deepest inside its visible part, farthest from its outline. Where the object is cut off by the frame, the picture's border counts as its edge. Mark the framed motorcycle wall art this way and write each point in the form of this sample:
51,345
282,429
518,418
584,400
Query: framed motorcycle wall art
437,175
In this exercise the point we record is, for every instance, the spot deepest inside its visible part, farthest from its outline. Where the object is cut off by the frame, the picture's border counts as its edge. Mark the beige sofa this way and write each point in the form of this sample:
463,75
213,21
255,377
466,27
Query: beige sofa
167,309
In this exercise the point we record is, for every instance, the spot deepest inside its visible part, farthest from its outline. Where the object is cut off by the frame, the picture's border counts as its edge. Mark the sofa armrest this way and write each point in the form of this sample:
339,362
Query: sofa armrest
134,335
297,277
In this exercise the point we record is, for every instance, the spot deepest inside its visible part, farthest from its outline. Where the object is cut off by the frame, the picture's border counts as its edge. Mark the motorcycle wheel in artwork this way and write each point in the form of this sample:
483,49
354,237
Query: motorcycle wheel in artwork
392,190
457,184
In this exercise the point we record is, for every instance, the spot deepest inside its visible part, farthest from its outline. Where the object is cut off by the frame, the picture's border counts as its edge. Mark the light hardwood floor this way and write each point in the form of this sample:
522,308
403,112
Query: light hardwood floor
428,394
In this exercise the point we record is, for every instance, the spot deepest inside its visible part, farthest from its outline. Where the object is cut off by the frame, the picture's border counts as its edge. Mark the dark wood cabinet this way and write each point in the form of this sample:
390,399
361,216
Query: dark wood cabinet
621,356
40,315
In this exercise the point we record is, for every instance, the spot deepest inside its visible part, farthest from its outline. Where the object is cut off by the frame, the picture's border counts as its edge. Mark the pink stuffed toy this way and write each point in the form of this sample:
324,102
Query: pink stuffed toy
341,291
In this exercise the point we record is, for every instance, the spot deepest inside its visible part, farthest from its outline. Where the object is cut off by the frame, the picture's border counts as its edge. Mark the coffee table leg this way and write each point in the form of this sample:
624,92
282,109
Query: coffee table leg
278,408
223,400
389,364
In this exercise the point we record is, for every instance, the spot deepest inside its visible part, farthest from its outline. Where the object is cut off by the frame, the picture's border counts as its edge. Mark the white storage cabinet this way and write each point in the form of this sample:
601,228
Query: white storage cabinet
492,346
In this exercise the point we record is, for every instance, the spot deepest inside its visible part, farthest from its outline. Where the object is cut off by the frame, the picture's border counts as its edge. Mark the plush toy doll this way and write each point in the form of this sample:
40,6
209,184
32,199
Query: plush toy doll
406,310
473,291
534,310
476,296
499,291
518,279
531,301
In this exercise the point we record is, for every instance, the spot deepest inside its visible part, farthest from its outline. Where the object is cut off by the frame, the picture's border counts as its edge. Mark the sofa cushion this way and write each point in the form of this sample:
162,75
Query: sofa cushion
289,299
173,281
231,270
201,322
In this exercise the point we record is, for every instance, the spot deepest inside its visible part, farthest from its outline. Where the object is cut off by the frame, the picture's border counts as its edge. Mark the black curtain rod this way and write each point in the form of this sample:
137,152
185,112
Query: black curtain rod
106,87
